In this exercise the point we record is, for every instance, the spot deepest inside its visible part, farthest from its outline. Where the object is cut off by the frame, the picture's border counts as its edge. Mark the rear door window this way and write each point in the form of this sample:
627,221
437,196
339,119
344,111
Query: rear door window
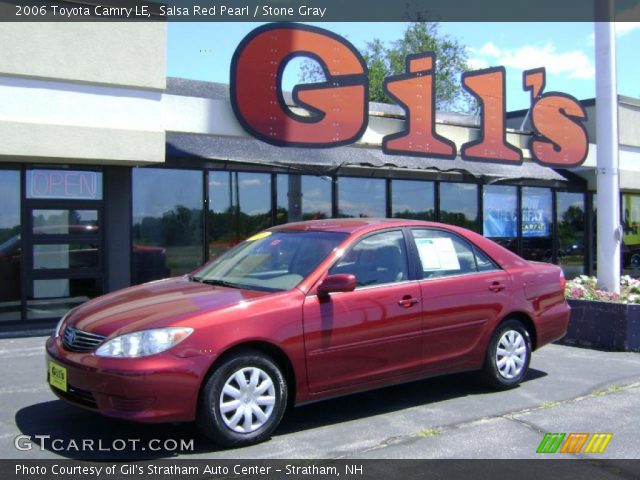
443,254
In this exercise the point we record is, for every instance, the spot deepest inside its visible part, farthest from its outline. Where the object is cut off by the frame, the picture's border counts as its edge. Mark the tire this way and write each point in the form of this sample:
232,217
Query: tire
508,355
229,413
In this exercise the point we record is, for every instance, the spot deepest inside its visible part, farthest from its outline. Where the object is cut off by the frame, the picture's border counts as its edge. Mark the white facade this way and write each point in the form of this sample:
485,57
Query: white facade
85,93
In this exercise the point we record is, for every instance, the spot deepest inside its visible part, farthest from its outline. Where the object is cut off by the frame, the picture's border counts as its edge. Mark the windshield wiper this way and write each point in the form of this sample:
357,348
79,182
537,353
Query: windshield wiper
222,283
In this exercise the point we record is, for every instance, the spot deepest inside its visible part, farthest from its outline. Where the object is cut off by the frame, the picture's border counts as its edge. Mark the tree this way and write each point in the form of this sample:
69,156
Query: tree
419,37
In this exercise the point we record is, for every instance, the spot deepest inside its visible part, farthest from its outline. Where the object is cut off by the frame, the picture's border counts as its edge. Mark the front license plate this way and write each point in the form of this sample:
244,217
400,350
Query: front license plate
58,376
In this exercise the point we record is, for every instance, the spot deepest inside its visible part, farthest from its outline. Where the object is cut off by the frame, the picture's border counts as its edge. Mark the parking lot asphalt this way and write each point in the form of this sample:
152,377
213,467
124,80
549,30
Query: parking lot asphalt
567,390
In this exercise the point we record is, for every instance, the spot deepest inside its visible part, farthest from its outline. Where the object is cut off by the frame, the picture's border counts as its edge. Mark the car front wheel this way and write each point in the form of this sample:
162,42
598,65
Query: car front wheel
243,400
508,355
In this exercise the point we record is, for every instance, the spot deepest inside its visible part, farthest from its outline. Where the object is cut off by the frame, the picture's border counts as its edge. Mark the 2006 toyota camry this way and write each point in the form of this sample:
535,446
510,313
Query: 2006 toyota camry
302,312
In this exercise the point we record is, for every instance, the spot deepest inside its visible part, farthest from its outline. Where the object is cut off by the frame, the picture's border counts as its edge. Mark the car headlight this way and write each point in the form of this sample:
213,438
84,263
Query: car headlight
144,342
58,330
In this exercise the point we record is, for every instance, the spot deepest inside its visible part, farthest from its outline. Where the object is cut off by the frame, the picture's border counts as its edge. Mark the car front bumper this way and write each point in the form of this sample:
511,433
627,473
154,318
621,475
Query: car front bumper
158,388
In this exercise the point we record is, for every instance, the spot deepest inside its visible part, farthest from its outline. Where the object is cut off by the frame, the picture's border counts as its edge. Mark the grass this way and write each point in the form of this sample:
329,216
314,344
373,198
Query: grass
429,432
608,390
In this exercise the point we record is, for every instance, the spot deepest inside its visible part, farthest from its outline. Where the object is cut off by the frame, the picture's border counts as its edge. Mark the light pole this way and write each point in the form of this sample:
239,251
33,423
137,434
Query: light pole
609,231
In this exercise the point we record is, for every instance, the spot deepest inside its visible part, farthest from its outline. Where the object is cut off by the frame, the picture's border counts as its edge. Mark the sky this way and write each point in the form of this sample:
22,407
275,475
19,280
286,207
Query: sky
203,51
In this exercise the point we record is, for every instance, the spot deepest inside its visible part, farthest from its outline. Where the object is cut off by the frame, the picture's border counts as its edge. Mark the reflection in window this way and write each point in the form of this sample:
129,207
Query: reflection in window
254,201
167,222
74,222
500,215
65,255
221,216
413,199
10,253
594,234
53,298
571,233
630,249
303,197
239,206
459,204
271,262
536,224
361,197
377,259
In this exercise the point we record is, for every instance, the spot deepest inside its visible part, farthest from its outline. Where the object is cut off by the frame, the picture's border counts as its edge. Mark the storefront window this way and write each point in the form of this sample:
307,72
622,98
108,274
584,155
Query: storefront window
500,215
221,217
10,246
239,206
413,199
361,197
630,249
593,247
459,204
52,298
571,233
536,221
167,223
254,201
303,197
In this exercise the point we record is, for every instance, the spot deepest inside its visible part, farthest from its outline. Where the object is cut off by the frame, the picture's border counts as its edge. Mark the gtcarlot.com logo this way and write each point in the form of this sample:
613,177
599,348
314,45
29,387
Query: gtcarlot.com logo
574,443
46,442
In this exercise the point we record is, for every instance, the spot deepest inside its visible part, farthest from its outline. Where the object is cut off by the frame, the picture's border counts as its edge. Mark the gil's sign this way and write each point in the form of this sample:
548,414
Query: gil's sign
338,107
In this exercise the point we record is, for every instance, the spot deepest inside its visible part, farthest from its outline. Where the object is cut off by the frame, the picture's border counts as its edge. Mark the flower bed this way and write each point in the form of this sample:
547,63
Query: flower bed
585,288
601,319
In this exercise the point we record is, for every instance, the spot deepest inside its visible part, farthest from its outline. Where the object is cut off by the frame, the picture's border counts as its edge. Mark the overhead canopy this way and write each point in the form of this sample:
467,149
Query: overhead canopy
328,160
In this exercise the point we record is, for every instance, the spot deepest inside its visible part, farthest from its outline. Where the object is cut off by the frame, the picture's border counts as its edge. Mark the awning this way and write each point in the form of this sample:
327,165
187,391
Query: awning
329,160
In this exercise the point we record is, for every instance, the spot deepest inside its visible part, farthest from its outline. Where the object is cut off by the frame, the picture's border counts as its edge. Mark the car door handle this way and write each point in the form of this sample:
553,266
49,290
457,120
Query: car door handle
408,301
497,287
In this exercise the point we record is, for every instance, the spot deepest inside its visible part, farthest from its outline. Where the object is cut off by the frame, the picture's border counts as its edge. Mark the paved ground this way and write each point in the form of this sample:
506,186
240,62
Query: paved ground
568,390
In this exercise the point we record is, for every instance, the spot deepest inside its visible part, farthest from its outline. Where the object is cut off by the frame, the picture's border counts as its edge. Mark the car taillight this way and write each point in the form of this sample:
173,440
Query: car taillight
563,281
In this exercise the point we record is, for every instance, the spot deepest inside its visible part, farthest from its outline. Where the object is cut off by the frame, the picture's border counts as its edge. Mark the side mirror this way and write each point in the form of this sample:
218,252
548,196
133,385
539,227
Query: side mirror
342,282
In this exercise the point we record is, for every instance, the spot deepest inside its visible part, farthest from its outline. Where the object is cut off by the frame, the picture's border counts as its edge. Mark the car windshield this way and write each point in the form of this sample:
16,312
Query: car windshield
271,261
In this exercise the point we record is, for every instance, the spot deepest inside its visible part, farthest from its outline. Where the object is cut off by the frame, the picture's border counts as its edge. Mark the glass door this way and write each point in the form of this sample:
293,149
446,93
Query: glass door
64,264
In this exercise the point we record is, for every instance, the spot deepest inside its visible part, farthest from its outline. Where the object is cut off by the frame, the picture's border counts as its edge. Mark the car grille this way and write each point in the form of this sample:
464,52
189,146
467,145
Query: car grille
76,340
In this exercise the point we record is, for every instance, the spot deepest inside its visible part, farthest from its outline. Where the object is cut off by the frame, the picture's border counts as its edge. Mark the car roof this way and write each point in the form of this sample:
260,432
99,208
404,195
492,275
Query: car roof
351,225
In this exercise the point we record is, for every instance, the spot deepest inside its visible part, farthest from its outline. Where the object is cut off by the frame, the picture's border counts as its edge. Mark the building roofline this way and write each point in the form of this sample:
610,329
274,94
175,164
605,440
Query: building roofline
220,91
587,102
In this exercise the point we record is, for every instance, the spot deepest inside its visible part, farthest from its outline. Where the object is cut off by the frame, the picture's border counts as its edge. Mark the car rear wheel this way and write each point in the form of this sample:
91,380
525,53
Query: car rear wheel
243,400
508,355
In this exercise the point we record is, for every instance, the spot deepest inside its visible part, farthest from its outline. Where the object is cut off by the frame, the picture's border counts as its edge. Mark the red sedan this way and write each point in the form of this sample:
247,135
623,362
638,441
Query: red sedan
303,312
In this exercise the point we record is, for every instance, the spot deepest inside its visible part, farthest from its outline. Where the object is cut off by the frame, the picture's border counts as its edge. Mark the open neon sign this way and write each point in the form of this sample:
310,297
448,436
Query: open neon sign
339,106
64,184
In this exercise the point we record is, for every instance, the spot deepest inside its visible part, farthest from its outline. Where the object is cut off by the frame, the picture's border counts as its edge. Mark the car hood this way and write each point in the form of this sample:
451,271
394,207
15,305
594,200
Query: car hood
154,305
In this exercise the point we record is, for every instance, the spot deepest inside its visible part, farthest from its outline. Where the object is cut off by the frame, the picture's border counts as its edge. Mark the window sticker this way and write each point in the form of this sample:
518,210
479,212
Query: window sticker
258,236
437,254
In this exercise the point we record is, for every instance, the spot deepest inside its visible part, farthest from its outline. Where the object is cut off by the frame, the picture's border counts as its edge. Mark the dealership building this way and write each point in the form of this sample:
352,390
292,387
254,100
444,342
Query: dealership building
112,174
